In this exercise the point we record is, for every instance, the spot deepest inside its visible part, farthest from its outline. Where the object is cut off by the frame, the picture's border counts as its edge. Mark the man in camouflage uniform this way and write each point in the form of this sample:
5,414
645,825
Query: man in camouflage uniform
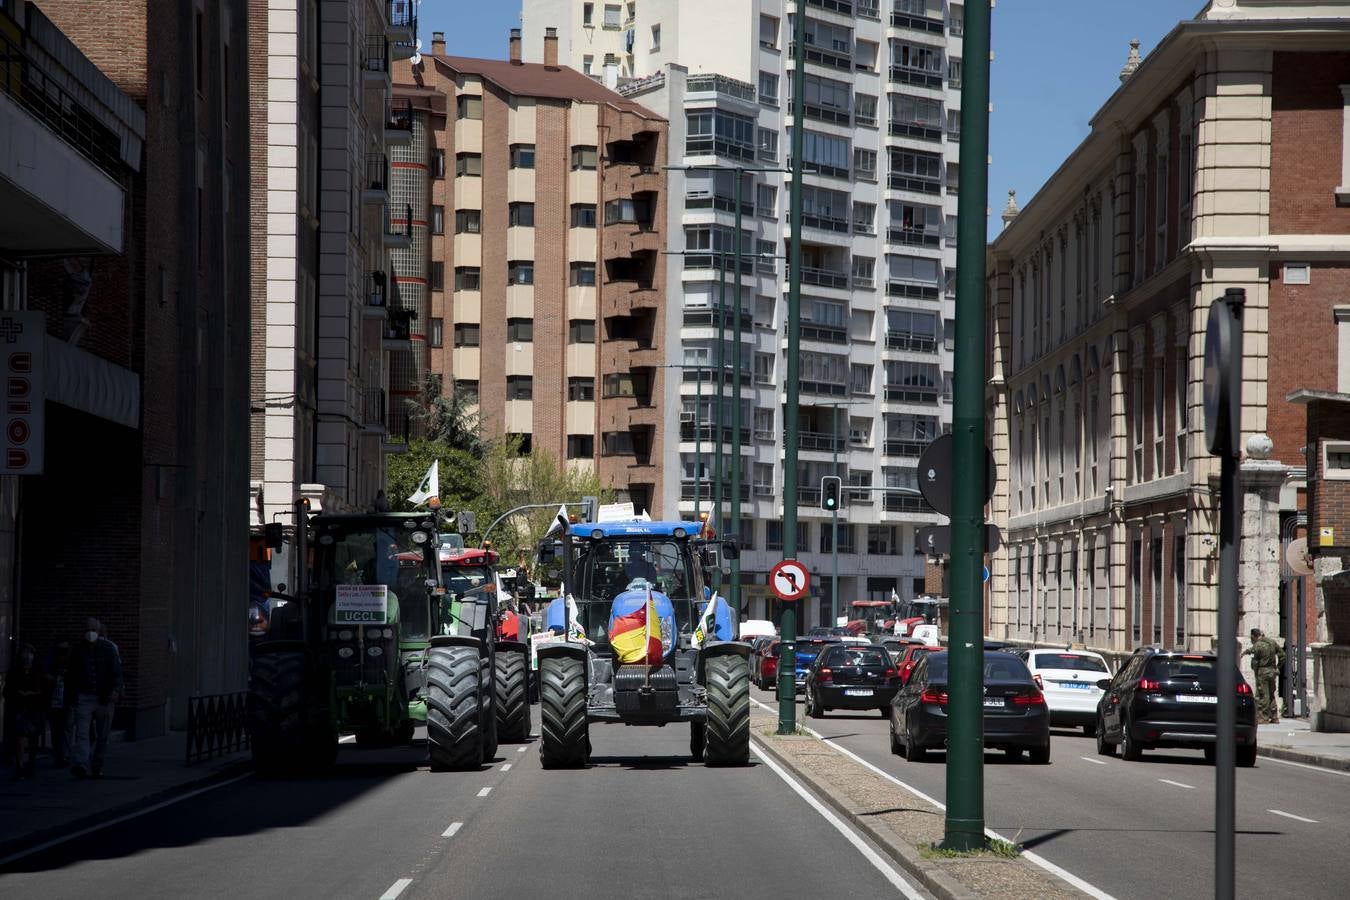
1267,657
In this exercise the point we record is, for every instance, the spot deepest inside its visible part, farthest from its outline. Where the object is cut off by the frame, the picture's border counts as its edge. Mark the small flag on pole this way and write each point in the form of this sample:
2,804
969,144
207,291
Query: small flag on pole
559,522
430,486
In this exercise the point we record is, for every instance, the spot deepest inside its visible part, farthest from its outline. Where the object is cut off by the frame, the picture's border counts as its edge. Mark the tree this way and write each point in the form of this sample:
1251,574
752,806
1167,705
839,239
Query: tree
450,418
459,472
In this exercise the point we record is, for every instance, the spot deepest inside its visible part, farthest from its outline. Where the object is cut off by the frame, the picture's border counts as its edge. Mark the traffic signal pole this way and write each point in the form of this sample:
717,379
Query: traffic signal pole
787,644
964,827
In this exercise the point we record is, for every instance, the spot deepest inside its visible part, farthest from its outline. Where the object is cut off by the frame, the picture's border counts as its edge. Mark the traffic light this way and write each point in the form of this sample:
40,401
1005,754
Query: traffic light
830,486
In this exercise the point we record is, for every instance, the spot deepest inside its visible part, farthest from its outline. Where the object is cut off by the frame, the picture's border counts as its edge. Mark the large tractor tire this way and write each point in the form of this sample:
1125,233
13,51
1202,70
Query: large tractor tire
728,728
487,711
512,701
563,732
455,738
281,735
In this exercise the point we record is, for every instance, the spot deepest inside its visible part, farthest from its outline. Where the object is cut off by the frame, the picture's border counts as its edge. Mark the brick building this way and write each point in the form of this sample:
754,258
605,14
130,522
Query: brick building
538,274
133,240
1220,162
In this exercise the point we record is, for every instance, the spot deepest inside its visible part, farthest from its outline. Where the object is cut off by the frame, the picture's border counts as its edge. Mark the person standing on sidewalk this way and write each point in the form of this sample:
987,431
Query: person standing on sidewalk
25,688
1266,659
96,683
58,705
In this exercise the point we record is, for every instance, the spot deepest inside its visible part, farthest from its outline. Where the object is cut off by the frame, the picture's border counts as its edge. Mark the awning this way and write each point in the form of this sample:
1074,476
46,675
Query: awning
83,381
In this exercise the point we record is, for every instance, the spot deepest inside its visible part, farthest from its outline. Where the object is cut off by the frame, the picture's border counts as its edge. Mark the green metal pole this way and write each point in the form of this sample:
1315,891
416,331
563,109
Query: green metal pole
787,646
834,526
736,416
964,829
721,388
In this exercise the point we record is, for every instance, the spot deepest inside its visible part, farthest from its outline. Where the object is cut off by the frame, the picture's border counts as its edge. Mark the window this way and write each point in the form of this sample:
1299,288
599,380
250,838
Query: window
954,74
860,379
588,14
865,110
656,37
519,387
827,154
520,271
1185,180
588,64
1179,377
522,156
826,98
1159,404
763,425
436,333
469,106
467,278
201,56
914,171
438,220
437,163
913,269
865,164
1157,585
768,32
1092,440
436,275
1139,213
520,330
468,389
881,540
612,13
837,40
470,164
864,269
920,59
865,55
766,200
581,331
864,218
909,329
628,210
581,273
1137,426
626,384
581,388
580,446
1136,589
824,368
768,88
765,261
466,334
468,221
764,368
715,131
583,157
619,443
768,144
583,215
521,214
773,535
1160,210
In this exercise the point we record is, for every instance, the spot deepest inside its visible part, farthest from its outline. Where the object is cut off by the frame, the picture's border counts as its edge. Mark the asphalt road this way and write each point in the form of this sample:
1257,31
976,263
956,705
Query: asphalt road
1141,829
641,821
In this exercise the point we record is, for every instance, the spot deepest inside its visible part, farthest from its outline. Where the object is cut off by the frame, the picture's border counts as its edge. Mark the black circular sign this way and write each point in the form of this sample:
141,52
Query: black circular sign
1221,416
936,474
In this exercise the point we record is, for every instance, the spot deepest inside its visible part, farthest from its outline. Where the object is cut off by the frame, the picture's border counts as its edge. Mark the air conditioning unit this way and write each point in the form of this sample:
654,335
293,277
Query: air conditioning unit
688,418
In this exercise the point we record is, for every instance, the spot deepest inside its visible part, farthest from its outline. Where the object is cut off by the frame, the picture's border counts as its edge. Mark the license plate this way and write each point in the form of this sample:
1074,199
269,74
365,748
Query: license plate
993,701
857,692
1076,685
1197,698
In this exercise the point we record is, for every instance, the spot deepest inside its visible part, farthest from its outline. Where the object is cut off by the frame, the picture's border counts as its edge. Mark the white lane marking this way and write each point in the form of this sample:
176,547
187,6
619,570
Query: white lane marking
1035,858
1189,787
1095,762
485,791
885,868
506,768
396,888
1290,762
55,842
1280,812
450,832
349,739
521,749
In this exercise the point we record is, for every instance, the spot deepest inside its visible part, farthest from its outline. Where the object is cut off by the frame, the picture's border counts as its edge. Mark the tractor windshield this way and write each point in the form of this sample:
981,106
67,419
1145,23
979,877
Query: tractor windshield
380,555
607,568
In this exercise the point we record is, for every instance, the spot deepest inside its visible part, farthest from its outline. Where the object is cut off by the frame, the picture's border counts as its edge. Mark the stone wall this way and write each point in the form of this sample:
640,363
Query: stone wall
1331,694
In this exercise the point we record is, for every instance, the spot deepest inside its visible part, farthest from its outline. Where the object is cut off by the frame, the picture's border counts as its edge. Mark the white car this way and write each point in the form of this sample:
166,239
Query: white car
1068,678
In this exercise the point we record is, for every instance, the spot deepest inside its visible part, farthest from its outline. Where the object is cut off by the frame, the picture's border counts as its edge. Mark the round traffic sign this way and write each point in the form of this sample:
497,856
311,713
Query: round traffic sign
1222,406
789,580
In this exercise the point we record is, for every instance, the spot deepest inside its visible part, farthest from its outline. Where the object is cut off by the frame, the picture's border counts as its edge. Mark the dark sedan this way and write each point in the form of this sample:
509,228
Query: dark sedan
851,676
1015,715
808,648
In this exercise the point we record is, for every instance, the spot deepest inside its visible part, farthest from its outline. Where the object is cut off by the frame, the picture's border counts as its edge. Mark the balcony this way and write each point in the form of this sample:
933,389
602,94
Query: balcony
707,318
916,23
397,333
916,77
896,393
398,122
376,187
869,9
707,432
398,234
824,222
827,334
899,182
705,491
719,84
825,278
913,237
709,145
822,388
808,496
916,131
375,58
377,295
908,449
909,291
904,502
374,413
819,440
402,31
830,114
706,200
903,340
843,7
822,56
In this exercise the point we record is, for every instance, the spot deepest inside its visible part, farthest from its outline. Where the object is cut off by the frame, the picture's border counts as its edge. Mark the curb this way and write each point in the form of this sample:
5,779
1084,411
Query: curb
900,851
1288,754
14,848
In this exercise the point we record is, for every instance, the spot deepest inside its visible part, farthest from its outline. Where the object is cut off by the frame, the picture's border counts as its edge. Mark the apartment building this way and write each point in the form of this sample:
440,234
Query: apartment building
536,271
330,322
1220,162
879,206
124,251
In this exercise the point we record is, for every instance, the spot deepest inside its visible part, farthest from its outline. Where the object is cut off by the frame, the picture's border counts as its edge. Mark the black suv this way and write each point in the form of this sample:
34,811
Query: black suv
1168,698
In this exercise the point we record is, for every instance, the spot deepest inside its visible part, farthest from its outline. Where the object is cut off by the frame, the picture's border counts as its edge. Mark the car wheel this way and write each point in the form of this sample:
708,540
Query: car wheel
1211,753
1104,747
896,747
885,712
1013,752
812,710
1129,747
1041,755
1089,729
1246,756
914,752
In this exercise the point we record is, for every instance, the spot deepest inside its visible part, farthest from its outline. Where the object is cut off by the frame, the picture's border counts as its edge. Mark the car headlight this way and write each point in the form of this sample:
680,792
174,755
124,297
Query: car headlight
345,652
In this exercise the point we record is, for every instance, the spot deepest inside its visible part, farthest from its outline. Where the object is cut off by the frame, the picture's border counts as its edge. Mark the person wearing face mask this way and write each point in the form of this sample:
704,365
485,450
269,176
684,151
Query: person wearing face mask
95,681
24,690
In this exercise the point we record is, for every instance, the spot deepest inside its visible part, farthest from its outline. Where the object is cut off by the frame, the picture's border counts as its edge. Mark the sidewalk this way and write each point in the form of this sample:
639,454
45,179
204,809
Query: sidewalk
136,774
1295,741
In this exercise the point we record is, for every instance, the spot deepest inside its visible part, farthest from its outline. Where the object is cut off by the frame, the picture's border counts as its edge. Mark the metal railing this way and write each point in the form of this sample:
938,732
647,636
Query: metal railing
869,9
706,489
376,57
827,334
374,408
916,130
903,340
824,222
843,7
820,440
402,14
694,318
900,182
404,229
377,172
24,81
825,278
898,447
835,59
400,116
914,237
808,495
716,201
904,503
911,291
903,394
720,84
377,293
825,113
916,77
916,23
398,325
708,145
708,432
217,725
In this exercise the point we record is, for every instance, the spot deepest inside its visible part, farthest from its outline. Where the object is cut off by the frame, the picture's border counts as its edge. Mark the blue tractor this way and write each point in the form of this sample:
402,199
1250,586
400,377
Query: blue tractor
699,675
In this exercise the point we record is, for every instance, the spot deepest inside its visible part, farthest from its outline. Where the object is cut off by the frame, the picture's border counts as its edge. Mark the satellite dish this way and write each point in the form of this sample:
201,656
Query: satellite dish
1296,556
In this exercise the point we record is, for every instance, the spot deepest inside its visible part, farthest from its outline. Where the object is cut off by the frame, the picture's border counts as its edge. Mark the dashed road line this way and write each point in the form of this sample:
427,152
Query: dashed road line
1095,762
1280,812
506,768
396,888
1189,787
450,832
349,739
521,749
485,791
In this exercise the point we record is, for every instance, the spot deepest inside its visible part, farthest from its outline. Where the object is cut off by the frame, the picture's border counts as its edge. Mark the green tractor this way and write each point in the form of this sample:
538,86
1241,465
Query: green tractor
372,643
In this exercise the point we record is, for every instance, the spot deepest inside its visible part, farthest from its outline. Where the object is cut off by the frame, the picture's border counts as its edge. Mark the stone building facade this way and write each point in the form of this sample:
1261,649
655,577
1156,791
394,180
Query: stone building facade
1217,164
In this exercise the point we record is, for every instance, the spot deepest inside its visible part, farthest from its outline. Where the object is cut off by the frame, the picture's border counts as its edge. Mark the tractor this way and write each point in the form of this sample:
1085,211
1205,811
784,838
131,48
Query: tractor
702,675
371,642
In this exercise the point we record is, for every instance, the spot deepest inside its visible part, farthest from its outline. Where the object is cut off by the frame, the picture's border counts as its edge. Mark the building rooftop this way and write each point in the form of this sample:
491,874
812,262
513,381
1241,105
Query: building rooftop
538,80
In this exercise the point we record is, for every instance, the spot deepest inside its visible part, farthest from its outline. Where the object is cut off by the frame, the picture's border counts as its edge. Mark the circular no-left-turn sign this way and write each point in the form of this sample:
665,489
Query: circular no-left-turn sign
789,580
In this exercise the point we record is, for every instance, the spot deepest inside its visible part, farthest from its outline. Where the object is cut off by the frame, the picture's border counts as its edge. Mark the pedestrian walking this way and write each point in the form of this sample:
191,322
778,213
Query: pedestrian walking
25,690
1267,657
58,708
96,682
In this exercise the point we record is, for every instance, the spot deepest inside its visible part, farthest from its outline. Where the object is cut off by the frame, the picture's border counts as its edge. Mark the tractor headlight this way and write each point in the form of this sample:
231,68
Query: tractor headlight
597,534
345,634
375,651
389,633
680,533
373,634
345,652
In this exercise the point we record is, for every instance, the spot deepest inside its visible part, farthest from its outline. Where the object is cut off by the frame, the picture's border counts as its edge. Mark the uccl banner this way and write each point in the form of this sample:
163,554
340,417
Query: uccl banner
23,336
362,604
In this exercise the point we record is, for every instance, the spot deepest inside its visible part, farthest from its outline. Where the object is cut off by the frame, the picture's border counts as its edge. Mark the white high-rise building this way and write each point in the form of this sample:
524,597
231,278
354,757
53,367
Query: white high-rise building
879,256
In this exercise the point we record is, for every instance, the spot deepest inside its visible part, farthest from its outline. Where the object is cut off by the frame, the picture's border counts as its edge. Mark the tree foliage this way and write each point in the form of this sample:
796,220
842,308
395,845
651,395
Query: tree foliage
449,418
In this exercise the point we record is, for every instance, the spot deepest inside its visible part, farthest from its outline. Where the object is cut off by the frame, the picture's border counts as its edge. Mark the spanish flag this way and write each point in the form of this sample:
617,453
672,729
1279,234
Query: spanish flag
636,637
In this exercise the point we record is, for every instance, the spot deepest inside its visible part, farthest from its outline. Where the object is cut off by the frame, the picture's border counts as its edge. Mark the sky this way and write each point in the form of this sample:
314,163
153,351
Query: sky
1055,63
